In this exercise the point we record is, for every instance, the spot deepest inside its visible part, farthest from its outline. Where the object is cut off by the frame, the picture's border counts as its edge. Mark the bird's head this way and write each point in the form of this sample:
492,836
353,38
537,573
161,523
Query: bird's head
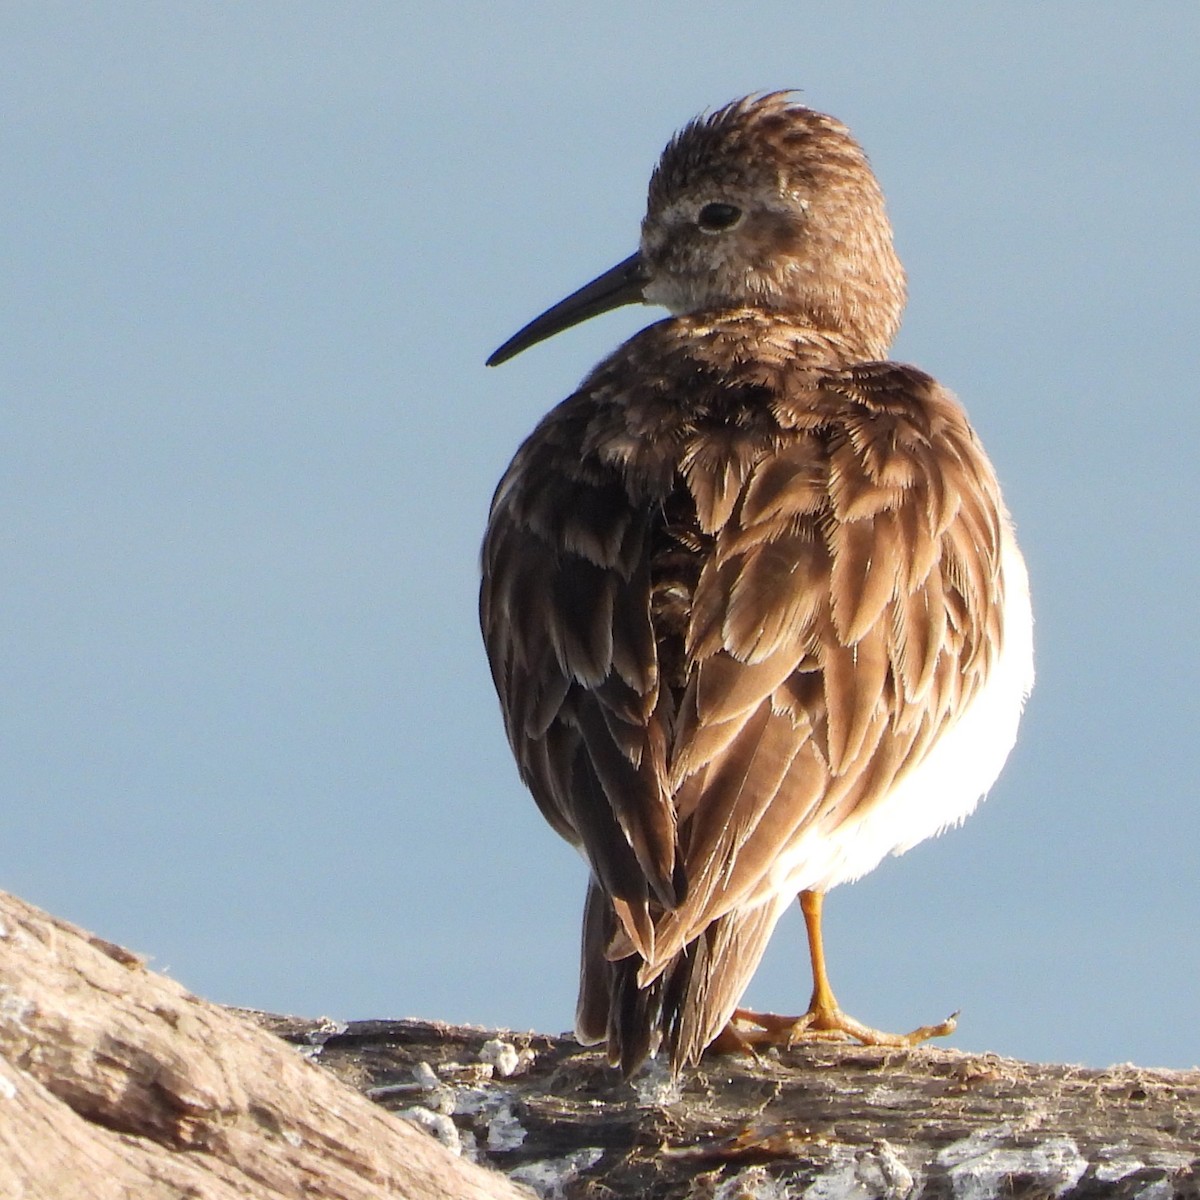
762,204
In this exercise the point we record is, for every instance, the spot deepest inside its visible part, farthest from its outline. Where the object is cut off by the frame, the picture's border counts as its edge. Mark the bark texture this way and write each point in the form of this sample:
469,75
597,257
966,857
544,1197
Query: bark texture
825,1121
115,1082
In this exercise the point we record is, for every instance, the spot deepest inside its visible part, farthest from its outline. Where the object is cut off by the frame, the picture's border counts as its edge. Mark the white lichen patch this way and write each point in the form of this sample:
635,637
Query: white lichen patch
316,1037
655,1086
504,1130
470,1101
973,1146
466,1074
426,1076
470,1145
1115,1162
977,1172
504,1058
436,1123
495,1119
8,1089
898,1178
436,1095
328,1027
875,1174
550,1177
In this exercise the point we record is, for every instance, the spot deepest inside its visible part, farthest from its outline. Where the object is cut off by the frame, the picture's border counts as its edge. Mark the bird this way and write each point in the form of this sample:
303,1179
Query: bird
752,601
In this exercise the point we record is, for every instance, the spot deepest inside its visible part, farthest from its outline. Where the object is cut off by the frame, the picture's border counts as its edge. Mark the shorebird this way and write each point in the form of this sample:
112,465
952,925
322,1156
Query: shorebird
753,604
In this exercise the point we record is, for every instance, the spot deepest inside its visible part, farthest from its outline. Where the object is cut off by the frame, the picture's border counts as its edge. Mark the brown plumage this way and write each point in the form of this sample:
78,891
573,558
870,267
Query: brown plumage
743,588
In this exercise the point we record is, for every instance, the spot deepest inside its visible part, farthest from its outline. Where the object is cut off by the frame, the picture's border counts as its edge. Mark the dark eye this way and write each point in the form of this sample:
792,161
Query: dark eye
716,217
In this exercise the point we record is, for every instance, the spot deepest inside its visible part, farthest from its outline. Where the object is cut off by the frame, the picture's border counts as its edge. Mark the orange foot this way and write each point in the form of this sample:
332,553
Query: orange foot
747,1029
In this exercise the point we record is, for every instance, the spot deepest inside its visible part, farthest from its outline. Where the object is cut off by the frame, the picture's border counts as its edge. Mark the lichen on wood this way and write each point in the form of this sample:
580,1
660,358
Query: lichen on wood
115,1081
820,1120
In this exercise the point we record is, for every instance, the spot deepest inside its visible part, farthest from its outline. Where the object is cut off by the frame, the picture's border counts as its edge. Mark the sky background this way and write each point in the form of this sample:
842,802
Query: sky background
252,258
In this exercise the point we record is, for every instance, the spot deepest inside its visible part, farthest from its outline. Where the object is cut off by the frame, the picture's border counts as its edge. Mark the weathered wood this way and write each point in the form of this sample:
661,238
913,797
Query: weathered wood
115,1082
823,1121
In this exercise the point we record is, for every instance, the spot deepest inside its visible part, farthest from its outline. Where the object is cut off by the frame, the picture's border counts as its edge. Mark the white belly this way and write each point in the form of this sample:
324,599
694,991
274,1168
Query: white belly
945,787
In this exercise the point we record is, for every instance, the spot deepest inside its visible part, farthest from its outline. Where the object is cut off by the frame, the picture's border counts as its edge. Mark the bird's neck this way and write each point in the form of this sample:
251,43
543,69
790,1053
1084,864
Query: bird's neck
742,332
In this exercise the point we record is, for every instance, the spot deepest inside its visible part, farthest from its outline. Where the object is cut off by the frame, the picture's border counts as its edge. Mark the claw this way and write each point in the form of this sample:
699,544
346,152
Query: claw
749,1029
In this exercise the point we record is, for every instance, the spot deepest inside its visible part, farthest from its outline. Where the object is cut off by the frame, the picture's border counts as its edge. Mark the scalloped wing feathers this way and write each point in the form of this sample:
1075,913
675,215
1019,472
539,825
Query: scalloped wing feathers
728,601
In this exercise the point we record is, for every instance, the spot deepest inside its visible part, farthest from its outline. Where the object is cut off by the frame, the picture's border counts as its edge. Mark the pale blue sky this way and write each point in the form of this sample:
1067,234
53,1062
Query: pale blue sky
253,257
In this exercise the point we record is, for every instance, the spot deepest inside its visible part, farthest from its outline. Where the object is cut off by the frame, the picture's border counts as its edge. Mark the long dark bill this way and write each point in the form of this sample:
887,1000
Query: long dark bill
621,285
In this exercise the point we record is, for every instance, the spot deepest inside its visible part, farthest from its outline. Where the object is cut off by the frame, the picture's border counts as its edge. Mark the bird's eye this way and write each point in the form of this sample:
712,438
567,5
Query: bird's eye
717,217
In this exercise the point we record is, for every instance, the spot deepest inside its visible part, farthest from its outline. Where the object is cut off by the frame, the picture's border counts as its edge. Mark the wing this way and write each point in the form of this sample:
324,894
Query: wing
565,610
719,630
850,611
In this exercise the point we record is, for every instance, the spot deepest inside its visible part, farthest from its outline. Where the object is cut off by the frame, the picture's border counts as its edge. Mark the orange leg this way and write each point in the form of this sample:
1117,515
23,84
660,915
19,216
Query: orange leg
824,1020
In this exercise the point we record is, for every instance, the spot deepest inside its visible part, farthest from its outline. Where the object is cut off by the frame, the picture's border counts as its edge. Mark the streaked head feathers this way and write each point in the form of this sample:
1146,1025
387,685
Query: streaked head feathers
761,204
812,237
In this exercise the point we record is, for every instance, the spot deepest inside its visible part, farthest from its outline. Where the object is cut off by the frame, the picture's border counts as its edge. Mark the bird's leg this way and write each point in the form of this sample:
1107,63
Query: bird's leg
824,1020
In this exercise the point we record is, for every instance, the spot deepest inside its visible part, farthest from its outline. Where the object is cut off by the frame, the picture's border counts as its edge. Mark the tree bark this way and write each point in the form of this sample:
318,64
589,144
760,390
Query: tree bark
115,1082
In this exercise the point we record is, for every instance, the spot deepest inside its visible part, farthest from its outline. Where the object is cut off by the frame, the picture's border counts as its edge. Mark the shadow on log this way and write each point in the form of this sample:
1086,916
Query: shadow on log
116,1082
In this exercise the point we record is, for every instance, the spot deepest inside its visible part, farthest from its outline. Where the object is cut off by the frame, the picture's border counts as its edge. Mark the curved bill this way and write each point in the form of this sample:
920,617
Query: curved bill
621,285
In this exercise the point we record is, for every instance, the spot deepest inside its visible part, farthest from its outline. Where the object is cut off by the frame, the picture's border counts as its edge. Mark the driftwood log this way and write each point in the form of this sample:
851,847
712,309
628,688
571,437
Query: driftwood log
115,1082
829,1122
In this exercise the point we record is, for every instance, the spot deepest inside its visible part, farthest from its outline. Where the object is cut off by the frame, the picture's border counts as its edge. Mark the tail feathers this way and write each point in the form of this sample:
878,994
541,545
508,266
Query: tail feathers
686,1006
720,965
595,971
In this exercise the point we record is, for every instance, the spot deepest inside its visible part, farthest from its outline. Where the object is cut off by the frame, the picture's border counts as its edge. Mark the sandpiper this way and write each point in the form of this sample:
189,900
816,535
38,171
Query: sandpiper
752,601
